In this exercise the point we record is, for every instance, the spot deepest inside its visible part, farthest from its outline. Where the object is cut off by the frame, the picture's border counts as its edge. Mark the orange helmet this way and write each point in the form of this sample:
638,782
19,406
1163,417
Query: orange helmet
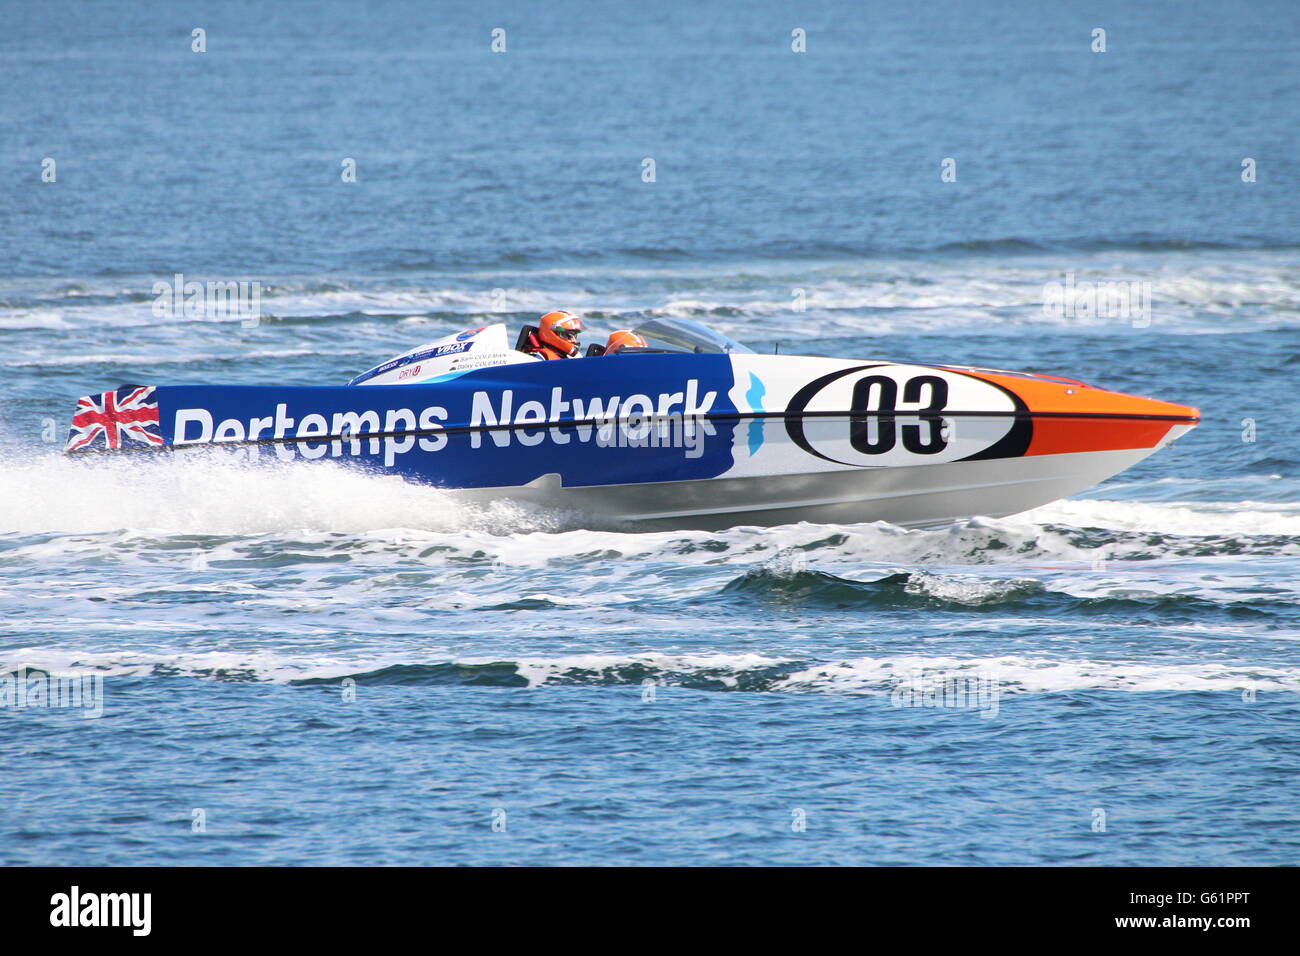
559,331
623,339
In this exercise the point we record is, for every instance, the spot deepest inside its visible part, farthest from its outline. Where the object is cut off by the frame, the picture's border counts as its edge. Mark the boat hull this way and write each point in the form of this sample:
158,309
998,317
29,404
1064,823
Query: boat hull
921,496
678,440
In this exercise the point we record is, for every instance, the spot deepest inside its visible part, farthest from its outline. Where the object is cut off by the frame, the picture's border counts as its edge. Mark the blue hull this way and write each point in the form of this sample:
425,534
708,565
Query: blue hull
587,421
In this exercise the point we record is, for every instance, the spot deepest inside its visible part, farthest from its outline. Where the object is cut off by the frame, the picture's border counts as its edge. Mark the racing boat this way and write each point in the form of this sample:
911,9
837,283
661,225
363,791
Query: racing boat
692,431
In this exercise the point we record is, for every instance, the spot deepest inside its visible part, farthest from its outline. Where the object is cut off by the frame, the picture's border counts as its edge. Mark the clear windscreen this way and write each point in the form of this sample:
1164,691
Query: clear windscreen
683,335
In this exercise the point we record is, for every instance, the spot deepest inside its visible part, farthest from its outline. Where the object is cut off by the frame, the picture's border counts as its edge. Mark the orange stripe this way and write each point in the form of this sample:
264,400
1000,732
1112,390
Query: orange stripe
1043,396
1056,436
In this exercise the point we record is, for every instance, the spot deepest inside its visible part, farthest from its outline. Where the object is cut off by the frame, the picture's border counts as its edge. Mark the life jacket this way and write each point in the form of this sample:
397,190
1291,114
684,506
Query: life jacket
539,348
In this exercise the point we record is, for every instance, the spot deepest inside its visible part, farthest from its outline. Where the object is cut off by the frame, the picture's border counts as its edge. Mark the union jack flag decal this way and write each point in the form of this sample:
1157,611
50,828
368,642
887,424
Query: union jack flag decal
128,416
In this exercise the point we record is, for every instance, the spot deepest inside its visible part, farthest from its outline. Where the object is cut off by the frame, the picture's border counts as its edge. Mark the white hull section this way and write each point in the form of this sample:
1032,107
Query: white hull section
919,496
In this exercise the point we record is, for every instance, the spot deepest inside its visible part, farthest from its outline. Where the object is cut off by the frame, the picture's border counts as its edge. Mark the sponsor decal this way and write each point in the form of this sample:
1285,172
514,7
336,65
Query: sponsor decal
497,420
894,415
487,410
359,431
438,351
451,348
592,423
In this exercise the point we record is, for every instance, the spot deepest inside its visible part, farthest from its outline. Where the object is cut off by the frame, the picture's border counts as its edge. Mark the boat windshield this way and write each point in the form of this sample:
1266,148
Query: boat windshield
683,335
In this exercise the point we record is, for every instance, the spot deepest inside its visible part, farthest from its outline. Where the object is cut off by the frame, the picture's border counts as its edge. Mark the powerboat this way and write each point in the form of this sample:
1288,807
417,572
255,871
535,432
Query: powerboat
692,431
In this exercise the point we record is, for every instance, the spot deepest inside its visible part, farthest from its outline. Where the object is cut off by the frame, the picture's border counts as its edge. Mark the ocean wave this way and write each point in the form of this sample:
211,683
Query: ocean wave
1235,519
401,259
872,676
903,589
1258,289
917,590
145,359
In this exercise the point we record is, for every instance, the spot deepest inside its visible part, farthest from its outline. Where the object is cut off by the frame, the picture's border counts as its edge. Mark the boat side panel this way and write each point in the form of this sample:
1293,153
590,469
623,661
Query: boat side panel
654,418
644,419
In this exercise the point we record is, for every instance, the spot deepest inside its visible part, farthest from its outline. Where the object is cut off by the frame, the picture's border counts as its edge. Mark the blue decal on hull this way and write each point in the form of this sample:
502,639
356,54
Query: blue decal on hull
596,421
755,398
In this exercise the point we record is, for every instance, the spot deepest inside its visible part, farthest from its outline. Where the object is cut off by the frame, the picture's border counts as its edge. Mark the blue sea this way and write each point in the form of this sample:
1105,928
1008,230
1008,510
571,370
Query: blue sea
319,666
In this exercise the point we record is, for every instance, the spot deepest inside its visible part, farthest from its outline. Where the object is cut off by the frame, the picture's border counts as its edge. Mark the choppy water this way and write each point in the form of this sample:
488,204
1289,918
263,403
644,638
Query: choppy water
1135,647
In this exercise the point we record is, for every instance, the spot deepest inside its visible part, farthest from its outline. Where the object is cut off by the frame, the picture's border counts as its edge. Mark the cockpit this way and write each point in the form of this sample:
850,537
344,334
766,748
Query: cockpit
488,347
661,335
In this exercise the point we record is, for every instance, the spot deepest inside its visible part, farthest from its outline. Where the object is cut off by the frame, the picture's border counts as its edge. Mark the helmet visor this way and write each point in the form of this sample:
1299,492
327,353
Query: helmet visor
567,327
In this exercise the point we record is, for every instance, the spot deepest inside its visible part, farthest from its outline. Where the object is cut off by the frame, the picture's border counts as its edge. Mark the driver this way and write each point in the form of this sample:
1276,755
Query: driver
556,337
623,339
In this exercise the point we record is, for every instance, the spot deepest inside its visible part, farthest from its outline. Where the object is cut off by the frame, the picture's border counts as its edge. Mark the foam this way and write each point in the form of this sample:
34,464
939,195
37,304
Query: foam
190,494
852,676
1170,517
